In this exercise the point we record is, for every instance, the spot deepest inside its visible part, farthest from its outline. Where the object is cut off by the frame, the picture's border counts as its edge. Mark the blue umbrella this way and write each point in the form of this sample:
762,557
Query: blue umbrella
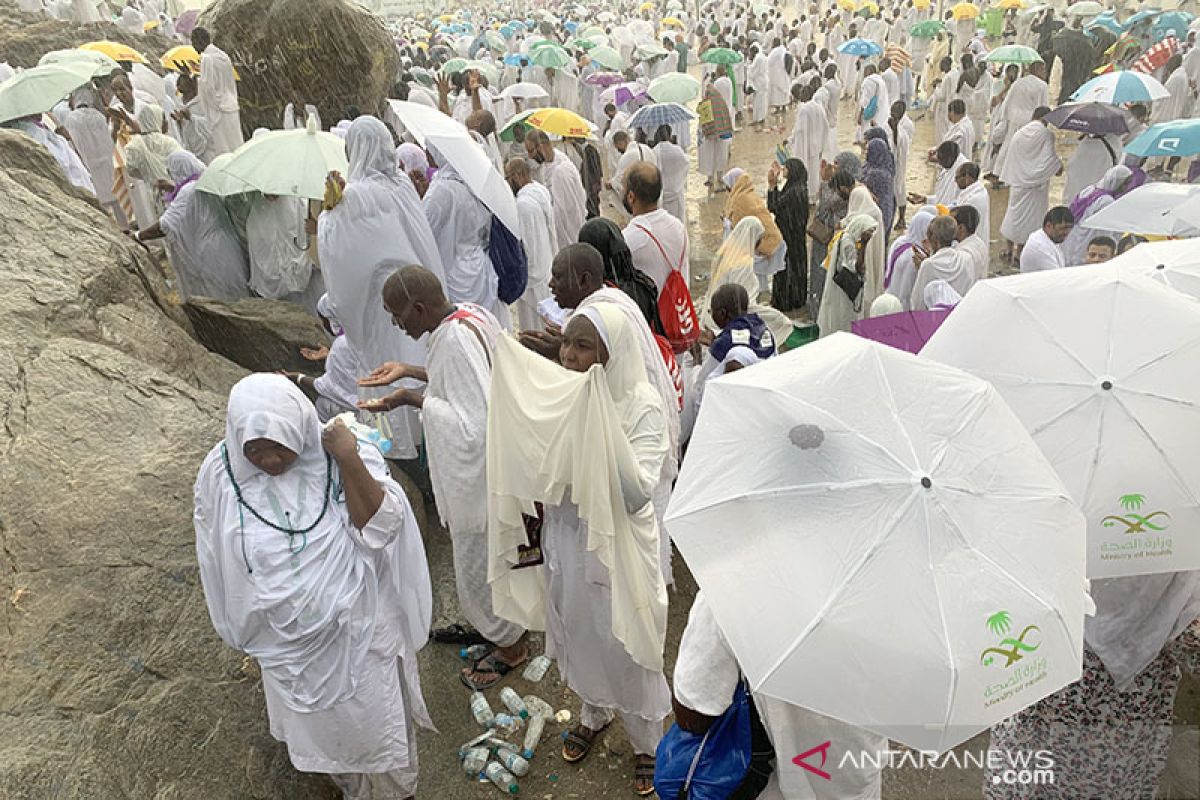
860,47
1120,88
1096,119
1172,22
571,27
1139,16
1108,22
1179,137
516,60
650,117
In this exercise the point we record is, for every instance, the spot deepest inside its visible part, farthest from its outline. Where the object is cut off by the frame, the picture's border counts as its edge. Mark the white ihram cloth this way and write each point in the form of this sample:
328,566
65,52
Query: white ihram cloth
758,78
948,264
454,414
635,152
274,236
976,196
378,219
196,133
670,234
873,88
67,158
712,154
204,251
1041,254
217,92
333,674
1025,96
706,674
561,177
945,190
536,211
590,446
962,133
146,154
976,249
1089,162
337,387
90,134
779,81
673,165
1031,164
808,141
901,145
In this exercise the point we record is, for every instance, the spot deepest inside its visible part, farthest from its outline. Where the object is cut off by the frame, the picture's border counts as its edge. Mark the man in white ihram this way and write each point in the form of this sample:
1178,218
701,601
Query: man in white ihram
218,94
657,241
561,177
536,211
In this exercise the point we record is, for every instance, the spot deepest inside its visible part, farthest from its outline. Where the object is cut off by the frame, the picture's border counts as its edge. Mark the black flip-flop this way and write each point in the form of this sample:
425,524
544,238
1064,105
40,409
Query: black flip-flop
457,634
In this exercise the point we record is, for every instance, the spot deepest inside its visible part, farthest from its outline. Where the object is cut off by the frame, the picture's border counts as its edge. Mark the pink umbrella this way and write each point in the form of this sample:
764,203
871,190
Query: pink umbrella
187,21
604,79
908,330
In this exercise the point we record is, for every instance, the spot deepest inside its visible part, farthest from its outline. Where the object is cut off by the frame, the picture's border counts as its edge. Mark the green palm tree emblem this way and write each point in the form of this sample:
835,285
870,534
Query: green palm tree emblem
999,623
1132,501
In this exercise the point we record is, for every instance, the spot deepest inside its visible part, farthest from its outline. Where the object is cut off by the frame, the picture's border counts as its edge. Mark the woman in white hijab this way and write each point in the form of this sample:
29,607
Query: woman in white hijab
312,564
735,262
847,252
1088,202
590,447
280,263
861,202
900,272
205,252
378,218
146,154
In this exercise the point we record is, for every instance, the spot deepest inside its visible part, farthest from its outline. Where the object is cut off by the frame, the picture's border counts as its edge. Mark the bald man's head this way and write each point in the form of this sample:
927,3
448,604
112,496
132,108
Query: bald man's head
577,271
482,122
415,298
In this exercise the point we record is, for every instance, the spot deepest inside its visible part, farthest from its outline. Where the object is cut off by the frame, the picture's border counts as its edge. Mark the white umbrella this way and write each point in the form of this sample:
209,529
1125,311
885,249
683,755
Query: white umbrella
430,127
524,91
1155,209
882,542
606,16
1100,366
1175,263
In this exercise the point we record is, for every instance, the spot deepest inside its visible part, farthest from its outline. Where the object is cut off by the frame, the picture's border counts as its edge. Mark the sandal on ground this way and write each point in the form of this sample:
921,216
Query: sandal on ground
457,634
487,672
643,775
581,743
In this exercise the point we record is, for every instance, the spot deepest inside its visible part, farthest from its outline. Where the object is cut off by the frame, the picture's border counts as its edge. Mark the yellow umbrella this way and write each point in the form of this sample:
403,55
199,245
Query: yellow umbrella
115,50
921,5
446,18
422,45
560,122
869,6
646,7
846,5
183,54
965,11
150,25
1007,4
672,21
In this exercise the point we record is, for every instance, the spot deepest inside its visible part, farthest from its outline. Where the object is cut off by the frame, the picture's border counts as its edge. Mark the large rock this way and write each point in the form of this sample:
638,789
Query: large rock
331,53
260,335
24,38
112,682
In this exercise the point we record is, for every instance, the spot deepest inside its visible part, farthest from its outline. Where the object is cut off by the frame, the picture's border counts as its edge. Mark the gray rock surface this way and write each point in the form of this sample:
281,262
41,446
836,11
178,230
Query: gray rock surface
260,335
24,38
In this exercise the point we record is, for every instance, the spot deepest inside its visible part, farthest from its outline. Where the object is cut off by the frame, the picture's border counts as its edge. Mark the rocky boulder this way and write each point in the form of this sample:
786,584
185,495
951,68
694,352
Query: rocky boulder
260,335
24,38
331,53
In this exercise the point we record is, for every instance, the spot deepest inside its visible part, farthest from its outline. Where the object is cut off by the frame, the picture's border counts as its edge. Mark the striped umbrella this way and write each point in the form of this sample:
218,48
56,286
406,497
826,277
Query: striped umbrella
650,117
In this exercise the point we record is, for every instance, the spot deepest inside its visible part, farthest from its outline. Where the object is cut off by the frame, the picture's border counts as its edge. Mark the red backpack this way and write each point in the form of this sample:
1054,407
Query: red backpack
676,311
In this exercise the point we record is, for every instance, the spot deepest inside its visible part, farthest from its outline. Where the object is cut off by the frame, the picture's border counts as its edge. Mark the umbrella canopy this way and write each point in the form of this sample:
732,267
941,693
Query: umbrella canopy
553,57
965,11
219,181
509,132
674,87
462,65
646,7
524,91
1140,16
1013,54
846,5
1096,119
673,22
186,21
1036,8
1108,23
1011,4
1154,209
292,163
1172,23
560,122
607,57
855,474
927,29
606,16
180,58
584,44
1111,401
648,50
1088,8
102,65
1120,88
115,50
907,330
36,90
592,30
651,116
860,47
431,128
623,93
604,79
721,55
1174,263
1180,137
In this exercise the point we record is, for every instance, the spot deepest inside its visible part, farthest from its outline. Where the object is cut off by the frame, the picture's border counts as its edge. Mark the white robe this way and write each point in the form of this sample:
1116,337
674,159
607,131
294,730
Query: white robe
538,234
67,158
670,234
1179,104
808,140
780,82
1040,253
948,264
461,226
1031,164
673,165
1089,162
976,196
205,252
274,237
635,152
873,88
901,145
566,193
712,155
945,190
976,249
90,134
758,78
962,133
1028,93
219,99
196,133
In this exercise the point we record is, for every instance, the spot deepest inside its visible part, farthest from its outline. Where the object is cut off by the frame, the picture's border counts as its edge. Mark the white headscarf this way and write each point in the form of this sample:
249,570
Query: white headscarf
182,164
886,304
734,262
732,176
150,118
325,309
370,150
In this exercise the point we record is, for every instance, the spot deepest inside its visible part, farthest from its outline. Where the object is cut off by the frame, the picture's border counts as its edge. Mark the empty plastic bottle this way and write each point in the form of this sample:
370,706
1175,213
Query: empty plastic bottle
536,670
503,779
480,709
474,652
537,706
505,723
512,761
513,702
474,761
533,735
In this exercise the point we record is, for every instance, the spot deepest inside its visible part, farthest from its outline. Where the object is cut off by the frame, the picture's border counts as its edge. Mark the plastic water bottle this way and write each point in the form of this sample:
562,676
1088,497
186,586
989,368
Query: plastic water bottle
474,652
501,777
538,707
505,723
474,761
513,702
536,670
533,735
512,761
480,709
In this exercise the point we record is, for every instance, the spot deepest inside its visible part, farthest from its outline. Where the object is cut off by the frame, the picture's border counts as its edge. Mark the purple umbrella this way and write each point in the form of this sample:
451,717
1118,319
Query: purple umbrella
604,79
908,330
1096,119
187,21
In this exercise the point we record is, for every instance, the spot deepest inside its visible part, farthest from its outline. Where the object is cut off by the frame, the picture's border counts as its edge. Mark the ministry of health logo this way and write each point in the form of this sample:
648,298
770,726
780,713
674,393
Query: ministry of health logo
1013,649
1132,518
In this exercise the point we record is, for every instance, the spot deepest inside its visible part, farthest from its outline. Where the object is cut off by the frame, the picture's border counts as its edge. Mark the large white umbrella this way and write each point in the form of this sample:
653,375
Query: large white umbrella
524,90
1153,209
430,127
291,163
1100,365
1174,262
37,90
882,542
104,65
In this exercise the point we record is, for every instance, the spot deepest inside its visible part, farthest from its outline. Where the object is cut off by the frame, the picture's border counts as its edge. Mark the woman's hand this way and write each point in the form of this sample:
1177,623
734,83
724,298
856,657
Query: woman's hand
398,398
339,442
314,353
385,374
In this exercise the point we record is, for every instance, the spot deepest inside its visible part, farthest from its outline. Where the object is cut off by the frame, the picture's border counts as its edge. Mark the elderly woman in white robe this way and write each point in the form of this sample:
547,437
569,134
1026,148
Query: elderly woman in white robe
589,446
275,535
204,250
146,157
848,252
90,134
378,218
280,266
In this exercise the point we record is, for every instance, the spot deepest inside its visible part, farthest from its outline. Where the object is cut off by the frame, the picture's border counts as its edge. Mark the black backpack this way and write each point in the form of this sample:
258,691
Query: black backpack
509,261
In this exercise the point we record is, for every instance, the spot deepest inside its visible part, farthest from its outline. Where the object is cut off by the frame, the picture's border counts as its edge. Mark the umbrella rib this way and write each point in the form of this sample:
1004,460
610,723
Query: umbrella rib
1172,352
1156,396
802,489
1154,443
890,397
1020,301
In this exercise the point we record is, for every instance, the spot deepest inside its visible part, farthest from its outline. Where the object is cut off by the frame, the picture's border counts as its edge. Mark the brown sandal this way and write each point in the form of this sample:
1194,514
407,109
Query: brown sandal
493,670
643,775
580,741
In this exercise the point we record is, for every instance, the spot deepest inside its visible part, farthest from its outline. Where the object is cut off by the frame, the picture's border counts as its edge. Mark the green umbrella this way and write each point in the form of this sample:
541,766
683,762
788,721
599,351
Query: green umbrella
927,29
454,65
217,180
495,42
37,90
462,64
1013,54
592,30
607,58
583,44
648,50
552,57
508,132
721,55
103,65
538,44
674,87
290,163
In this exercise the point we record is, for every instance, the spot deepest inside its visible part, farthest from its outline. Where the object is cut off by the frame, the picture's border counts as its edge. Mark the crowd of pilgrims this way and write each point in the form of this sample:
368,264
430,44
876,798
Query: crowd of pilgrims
568,401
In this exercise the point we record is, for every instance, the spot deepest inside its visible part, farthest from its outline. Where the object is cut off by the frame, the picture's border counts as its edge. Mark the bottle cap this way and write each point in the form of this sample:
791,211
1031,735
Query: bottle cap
524,714
526,754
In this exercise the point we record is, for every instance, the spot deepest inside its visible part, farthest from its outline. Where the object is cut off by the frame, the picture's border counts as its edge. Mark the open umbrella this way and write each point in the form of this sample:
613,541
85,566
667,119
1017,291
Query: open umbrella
623,93
186,21
646,7
906,330
927,29
1172,23
218,180
1013,54
102,64
1114,403
552,57
1120,88
673,22
1140,16
592,30
651,116
1096,119
561,122
431,128
1013,5
607,57
1088,8
674,87
115,50
509,132
965,11
1154,209
721,55
524,91
584,44
1173,262
893,518
860,47
1180,137
183,57
38,89
604,79
648,50
291,163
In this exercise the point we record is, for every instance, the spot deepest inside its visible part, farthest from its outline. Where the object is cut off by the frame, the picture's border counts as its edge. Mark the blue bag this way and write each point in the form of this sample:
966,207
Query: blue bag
509,261
872,107
708,767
